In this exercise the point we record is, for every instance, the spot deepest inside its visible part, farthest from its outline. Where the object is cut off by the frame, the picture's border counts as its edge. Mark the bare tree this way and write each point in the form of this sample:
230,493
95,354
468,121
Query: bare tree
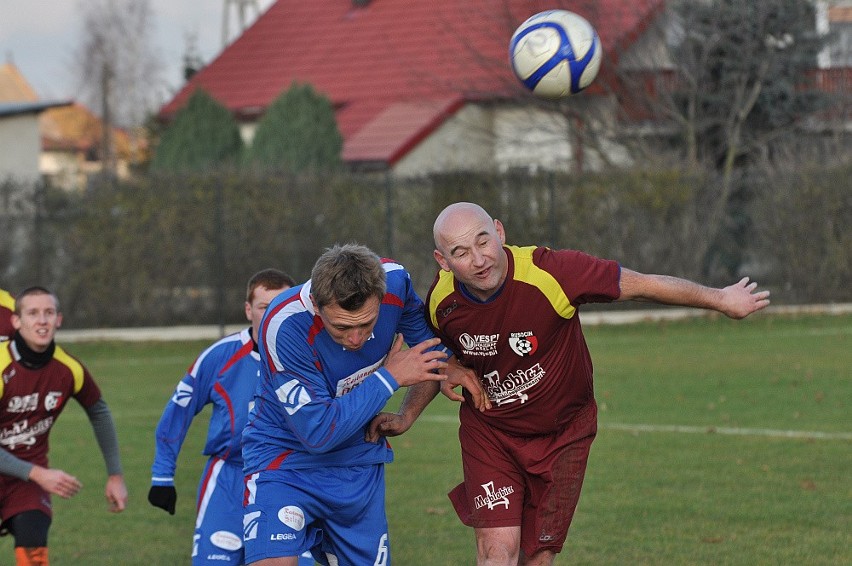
732,92
120,71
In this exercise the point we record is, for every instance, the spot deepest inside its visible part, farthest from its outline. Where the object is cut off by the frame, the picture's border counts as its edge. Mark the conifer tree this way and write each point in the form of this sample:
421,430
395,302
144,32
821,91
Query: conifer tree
203,136
297,133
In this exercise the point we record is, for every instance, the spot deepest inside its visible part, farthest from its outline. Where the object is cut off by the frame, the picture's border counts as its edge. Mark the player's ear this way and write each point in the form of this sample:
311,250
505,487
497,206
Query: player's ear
501,232
58,320
439,257
248,312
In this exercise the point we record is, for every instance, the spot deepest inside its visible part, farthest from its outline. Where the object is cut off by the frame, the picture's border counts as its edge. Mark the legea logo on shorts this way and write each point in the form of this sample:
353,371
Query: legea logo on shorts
250,525
292,516
226,540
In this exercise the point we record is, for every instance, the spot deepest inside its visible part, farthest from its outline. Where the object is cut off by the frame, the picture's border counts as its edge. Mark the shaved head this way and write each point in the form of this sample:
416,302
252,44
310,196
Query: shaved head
456,217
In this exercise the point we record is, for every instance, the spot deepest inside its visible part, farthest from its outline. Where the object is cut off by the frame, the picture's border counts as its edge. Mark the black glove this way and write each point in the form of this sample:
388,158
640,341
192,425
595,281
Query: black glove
164,497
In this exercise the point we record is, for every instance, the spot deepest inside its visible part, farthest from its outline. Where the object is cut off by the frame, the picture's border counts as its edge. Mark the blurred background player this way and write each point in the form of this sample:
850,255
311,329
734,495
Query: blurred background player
7,307
224,376
39,378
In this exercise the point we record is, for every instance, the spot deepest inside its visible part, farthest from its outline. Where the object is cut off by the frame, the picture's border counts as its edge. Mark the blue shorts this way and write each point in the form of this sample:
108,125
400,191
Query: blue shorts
218,537
218,528
338,513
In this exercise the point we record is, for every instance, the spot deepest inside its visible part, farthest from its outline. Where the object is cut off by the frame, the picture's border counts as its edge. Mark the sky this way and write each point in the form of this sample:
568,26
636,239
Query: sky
41,36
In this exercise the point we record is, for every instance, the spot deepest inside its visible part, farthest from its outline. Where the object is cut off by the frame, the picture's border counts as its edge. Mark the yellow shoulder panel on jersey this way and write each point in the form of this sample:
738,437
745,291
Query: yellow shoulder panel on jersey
76,368
5,361
527,272
6,300
443,287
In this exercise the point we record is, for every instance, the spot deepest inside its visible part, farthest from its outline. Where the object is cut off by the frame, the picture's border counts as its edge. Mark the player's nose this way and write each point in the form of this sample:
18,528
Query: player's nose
356,338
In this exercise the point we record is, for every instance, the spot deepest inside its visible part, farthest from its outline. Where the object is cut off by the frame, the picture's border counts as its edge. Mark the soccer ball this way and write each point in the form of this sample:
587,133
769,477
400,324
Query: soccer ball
555,53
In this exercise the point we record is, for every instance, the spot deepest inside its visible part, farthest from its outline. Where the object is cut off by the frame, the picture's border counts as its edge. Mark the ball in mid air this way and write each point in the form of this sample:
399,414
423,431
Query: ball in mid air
555,53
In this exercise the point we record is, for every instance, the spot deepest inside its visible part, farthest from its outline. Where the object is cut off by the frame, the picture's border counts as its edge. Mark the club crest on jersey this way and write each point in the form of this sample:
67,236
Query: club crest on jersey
52,400
523,343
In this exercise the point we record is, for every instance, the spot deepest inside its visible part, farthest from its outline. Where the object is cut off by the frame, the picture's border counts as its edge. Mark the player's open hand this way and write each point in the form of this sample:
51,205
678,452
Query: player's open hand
56,481
416,364
459,375
740,299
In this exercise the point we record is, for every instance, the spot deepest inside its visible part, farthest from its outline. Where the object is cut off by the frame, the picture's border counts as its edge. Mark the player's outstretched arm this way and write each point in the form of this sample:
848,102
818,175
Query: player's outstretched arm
55,481
116,493
735,301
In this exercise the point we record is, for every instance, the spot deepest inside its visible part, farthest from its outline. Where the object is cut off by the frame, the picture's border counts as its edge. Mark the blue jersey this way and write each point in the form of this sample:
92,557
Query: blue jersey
224,375
315,398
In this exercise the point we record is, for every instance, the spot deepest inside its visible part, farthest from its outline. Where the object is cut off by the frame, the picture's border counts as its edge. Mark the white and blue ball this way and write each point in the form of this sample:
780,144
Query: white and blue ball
555,53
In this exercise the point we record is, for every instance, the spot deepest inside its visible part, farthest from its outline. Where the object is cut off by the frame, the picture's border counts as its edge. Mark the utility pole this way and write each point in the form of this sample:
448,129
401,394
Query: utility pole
241,7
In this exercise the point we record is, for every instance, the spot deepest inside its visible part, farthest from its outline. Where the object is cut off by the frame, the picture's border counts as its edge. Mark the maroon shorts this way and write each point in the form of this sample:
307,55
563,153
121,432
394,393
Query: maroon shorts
531,482
17,496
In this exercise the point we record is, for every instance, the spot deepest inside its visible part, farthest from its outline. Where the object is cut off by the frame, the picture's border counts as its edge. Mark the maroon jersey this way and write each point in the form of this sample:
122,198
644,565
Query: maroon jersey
32,399
7,307
526,343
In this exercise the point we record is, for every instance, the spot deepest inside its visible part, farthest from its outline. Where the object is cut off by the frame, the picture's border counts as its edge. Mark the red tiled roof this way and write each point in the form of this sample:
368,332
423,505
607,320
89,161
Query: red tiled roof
398,128
384,64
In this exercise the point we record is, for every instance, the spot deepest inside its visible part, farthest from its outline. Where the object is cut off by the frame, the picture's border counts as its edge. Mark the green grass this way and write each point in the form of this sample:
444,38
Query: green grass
655,498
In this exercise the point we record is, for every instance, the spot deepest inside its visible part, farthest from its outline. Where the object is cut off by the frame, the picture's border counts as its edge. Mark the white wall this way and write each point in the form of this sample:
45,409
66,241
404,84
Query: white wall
21,145
504,137
530,138
464,142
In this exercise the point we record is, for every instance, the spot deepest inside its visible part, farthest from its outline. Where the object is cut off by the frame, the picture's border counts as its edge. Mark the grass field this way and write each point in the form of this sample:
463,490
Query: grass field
720,443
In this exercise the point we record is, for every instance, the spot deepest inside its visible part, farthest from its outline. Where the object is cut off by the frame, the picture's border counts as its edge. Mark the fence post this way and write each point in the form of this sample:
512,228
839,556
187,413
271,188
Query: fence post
389,214
551,213
219,252
38,228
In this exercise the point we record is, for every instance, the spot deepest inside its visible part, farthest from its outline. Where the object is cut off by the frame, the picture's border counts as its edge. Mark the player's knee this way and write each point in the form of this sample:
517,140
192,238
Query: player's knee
30,529
496,553
497,546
